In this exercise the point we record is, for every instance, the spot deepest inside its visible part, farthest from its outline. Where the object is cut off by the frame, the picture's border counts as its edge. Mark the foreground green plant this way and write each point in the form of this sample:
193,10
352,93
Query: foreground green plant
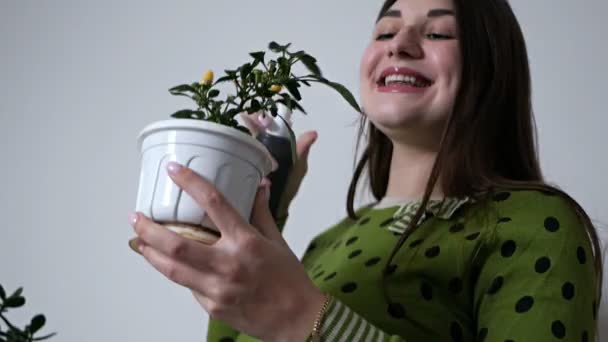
11,333
258,87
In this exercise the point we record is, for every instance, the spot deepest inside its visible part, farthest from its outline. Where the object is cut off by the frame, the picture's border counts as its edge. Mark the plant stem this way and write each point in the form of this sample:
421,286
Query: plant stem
8,323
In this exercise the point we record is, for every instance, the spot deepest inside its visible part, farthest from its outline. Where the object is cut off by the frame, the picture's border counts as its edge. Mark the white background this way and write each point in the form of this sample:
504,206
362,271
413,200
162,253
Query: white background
79,79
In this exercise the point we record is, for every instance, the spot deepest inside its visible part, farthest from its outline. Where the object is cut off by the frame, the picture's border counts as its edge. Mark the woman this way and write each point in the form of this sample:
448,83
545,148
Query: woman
466,241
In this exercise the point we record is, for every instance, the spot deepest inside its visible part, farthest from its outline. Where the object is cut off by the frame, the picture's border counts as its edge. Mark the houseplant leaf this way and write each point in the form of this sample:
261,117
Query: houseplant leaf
311,64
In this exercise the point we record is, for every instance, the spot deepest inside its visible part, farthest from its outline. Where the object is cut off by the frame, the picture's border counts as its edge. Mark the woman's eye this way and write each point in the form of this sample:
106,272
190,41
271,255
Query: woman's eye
437,36
385,36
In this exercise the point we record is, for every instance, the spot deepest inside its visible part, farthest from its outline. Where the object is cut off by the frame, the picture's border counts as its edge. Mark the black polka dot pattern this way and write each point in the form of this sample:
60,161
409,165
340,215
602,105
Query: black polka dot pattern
458,227
585,336
455,286
391,269
456,332
426,290
482,334
226,339
311,247
372,261
496,285
364,221
580,255
524,304
502,196
416,243
472,237
542,265
319,274
330,276
508,248
551,224
337,244
349,287
558,329
568,290
504,220
351,241
396,310
432,252
354,253
387,222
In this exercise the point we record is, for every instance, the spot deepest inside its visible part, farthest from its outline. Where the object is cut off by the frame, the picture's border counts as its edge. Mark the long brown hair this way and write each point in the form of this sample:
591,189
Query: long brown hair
489,141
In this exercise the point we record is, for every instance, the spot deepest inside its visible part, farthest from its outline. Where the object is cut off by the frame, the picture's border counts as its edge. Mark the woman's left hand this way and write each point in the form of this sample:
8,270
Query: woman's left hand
249,278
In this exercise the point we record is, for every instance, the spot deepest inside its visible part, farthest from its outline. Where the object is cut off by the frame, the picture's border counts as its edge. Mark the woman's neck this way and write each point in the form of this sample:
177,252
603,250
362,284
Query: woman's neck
410,170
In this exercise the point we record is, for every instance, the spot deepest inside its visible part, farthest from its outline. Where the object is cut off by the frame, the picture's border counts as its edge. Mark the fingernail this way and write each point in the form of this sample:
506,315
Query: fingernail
173,168
133,218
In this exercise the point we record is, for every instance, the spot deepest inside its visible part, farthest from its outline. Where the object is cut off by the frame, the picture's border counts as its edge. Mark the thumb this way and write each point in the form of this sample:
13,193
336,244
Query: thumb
261,217
304,143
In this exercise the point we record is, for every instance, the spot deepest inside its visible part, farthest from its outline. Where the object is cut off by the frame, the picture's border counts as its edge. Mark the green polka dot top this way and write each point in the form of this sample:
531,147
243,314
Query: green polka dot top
517,267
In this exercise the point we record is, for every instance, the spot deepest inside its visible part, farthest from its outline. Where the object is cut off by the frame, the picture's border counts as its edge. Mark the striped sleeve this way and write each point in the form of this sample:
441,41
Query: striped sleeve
341,323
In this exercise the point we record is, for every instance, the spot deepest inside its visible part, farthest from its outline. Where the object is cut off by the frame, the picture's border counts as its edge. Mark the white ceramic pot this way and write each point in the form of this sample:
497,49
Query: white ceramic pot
232,160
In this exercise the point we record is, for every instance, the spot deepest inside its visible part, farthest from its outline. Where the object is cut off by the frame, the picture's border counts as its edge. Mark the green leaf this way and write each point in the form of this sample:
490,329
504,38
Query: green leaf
296,105
243,129
44,337
274,110
258,56
2,293
223,79
213,93
14,302
346,94
232,112
188,114
17,293
275,47
37,323
297,54
254,107
245,70
183,88
311,64
231,73
305,82
292,87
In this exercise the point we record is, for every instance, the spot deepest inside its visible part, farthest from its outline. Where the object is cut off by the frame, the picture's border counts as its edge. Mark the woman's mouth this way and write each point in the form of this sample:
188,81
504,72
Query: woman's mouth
402,80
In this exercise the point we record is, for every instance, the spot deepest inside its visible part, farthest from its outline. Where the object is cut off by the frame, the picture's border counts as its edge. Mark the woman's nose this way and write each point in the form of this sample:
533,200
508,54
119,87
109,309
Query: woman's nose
406,44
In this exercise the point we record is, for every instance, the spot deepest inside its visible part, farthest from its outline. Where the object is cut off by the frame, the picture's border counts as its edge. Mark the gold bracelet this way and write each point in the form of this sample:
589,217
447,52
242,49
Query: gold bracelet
316,333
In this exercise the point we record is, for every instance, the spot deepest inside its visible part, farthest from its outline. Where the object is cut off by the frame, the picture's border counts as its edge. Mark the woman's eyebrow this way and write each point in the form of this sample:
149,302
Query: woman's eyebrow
434,13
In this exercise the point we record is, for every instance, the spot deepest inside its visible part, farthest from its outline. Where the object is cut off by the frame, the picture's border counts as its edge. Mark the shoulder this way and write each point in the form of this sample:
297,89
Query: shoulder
531,215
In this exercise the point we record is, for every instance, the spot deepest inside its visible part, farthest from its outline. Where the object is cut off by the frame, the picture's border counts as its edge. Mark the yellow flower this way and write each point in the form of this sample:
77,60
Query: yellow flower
276,88
207,77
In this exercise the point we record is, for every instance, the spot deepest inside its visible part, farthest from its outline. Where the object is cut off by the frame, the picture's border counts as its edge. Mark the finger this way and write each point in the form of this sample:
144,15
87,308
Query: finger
226,218
304,143
251,122
174,270
261,217
171,244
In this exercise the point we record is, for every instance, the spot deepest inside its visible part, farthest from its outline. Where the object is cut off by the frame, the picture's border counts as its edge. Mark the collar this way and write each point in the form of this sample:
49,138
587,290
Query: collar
440,208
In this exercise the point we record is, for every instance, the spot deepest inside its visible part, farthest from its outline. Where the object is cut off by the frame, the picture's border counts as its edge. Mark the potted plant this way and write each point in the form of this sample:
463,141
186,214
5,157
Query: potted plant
9,332
210,140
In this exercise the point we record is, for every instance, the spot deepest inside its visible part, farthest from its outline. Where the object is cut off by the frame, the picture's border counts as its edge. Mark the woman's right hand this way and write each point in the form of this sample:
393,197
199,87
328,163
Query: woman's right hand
256,123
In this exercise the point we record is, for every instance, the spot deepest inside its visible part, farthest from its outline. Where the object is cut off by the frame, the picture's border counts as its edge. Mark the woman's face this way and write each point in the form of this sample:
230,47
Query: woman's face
410,72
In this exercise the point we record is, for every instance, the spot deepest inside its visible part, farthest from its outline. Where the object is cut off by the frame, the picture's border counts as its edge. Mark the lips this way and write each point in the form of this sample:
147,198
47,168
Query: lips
403,78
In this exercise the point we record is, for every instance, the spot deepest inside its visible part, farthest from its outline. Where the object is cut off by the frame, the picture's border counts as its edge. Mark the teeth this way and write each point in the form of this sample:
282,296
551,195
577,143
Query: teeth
412,80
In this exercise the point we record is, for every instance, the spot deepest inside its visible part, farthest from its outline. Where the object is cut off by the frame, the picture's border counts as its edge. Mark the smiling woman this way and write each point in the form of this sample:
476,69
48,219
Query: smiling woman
465,241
